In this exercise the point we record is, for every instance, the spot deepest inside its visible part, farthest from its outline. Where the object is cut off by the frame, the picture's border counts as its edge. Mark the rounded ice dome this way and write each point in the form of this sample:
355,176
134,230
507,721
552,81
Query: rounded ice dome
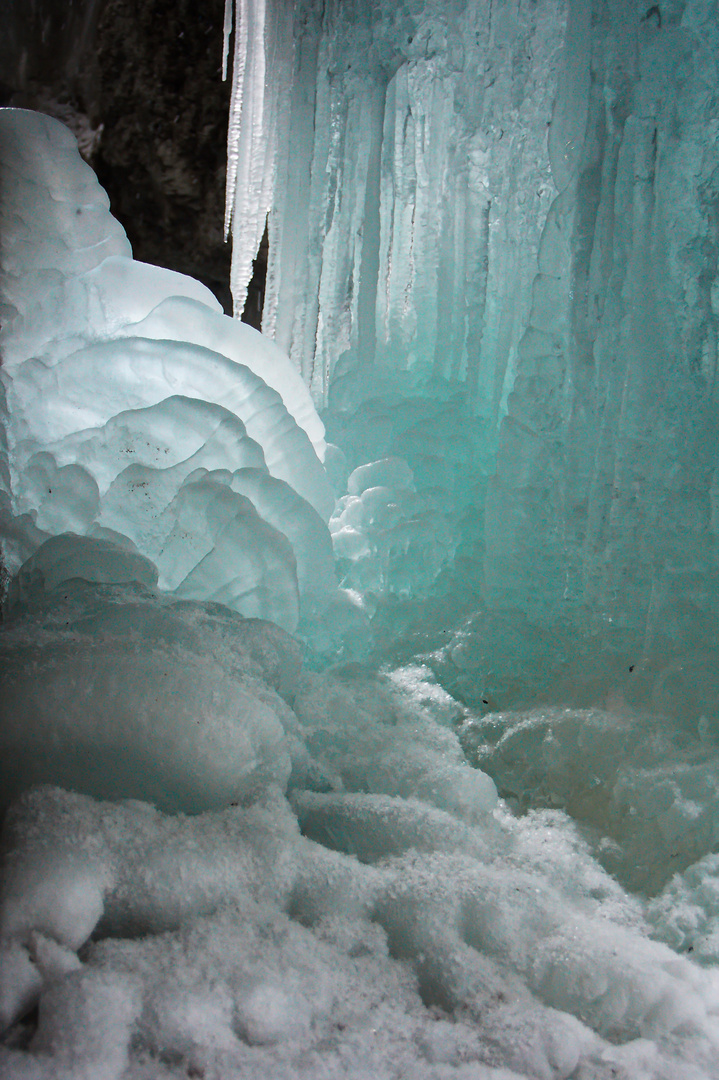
135,411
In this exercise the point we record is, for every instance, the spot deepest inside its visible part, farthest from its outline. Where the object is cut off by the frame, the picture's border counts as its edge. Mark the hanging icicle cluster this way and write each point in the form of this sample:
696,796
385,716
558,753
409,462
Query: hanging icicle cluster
262,69
400,151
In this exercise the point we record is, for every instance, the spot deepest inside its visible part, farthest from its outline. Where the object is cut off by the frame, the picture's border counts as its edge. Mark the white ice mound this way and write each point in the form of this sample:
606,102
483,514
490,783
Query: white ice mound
135,410
389,537
116,691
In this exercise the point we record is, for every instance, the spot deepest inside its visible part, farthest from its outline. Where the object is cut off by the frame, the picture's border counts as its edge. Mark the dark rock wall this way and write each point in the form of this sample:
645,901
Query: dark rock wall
139,81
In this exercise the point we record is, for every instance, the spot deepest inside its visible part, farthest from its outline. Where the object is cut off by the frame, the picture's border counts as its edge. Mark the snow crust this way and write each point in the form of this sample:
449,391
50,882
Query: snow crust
367,905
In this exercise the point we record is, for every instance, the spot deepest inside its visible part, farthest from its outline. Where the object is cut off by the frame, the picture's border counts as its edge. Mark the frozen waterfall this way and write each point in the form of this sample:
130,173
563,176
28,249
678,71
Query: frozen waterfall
384,744
516,202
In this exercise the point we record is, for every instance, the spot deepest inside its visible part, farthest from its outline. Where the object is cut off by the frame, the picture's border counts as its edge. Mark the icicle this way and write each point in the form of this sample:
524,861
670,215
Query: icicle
263,35
236,105
226,31
368,265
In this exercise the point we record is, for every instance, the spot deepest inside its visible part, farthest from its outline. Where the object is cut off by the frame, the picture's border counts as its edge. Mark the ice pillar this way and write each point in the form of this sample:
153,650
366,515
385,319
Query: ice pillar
603,502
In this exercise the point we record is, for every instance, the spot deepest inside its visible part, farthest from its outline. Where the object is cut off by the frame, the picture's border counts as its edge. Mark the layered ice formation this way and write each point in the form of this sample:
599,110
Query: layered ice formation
138,415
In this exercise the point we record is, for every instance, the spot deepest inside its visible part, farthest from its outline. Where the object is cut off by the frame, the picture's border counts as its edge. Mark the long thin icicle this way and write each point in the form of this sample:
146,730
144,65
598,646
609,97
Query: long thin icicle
263,37
226,32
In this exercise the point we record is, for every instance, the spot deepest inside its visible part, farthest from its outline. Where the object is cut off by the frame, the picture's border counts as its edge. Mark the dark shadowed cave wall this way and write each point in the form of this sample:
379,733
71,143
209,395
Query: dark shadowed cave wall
139,81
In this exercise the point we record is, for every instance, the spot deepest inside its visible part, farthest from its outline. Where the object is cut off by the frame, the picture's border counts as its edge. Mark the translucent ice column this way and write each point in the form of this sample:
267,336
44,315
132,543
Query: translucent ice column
411,183
605,499
520,200
137,413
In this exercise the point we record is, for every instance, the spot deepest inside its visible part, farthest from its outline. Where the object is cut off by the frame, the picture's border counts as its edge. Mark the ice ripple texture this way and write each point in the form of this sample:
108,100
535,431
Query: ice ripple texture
137,414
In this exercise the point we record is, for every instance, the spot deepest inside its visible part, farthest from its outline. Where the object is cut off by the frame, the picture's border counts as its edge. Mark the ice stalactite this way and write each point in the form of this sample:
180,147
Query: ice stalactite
411,184
410,155
517,203
262,70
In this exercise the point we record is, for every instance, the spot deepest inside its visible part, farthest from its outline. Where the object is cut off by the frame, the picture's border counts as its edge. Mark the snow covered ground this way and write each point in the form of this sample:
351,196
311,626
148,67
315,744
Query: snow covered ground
347,896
